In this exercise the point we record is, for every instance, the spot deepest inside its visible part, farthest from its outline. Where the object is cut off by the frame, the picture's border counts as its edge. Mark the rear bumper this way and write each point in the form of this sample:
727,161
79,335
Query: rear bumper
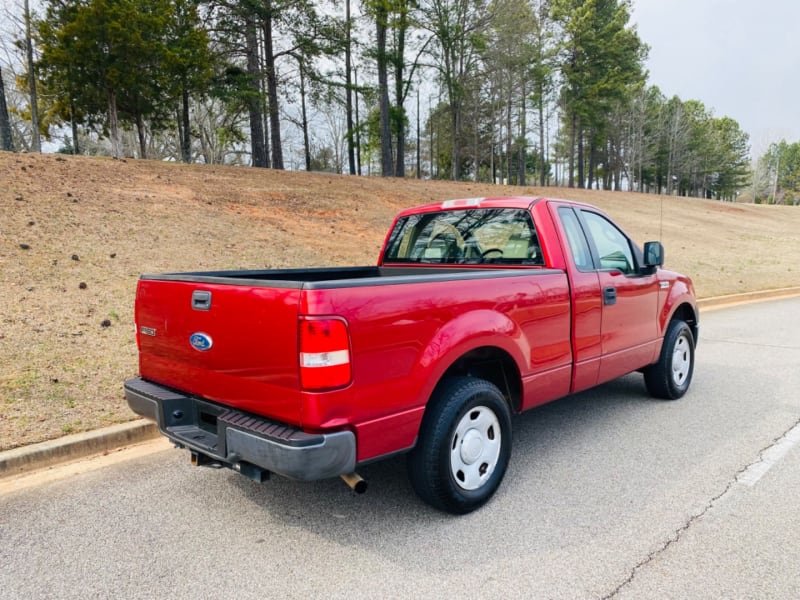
237,439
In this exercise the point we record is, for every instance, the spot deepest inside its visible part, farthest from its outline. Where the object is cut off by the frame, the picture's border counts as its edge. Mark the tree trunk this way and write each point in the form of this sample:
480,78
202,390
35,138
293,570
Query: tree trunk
572,134
581,160
264,105
113,125
272,90
522,127
509,165
205,148
455,117
186,139
383,91
36,142
419,173
74,125
430,145
179,121
257,144
476,159
304,116
542,174
6,141
141,134
399,60
358,124
348,70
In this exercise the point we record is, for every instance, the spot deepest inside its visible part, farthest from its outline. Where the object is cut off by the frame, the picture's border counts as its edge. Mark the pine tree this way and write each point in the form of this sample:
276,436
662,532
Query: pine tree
600,58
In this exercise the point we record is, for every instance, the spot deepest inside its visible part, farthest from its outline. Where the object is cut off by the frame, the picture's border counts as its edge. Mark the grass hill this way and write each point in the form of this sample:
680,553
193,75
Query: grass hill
76,232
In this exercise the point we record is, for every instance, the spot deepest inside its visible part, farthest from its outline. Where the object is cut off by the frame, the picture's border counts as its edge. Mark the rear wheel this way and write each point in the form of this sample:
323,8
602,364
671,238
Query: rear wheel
464,445
670,377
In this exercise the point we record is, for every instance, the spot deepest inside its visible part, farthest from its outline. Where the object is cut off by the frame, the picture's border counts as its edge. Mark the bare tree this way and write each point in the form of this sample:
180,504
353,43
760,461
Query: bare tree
677,134
219,128
456,27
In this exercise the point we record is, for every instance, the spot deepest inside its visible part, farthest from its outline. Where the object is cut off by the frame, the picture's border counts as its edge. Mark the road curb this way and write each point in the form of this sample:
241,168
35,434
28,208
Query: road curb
108,439
721,301
73,447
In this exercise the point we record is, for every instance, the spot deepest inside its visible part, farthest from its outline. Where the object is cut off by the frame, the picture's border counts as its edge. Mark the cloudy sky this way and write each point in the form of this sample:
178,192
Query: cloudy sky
741,58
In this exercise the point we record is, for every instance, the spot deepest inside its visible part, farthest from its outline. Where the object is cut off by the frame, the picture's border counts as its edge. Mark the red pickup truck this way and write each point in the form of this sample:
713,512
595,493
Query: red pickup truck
478,309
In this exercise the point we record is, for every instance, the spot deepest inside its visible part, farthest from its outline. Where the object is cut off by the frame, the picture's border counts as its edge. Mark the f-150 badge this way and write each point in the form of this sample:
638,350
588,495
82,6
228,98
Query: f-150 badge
201,341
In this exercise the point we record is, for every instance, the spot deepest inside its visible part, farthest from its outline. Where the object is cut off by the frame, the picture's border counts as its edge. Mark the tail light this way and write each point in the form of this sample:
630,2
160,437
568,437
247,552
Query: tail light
324,353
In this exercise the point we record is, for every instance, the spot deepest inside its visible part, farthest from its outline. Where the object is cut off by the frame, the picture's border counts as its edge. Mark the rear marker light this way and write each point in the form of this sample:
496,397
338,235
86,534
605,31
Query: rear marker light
324,354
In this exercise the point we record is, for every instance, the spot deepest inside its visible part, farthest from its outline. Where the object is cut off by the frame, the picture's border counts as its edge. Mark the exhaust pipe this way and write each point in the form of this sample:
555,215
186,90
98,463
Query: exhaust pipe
355,481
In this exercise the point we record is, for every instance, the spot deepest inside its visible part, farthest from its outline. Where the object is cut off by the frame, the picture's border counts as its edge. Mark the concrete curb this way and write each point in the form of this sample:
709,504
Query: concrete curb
720,301
108,439
72,447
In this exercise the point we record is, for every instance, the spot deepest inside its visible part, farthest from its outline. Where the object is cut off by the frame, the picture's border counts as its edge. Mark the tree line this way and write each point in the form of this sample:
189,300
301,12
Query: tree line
552,92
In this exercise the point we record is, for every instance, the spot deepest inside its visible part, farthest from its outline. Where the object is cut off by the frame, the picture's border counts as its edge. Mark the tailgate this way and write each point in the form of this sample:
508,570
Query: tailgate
230,343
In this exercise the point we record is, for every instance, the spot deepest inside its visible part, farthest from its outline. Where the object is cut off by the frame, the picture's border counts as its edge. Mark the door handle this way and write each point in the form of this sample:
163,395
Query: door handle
609,296
201,300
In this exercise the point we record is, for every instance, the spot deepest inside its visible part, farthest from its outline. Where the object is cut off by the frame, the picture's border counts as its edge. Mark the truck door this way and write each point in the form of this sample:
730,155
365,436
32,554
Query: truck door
615,303
587,308
629,332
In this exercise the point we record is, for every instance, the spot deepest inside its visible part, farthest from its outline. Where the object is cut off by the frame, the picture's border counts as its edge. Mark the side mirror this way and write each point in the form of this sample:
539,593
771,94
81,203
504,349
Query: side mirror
653,254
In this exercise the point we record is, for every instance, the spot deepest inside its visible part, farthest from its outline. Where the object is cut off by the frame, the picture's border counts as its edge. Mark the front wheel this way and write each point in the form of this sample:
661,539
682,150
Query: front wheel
670,377
463,447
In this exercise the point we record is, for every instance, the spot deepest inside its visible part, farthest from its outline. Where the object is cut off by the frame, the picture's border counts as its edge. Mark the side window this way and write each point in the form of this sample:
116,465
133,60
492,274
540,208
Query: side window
576,239
612,245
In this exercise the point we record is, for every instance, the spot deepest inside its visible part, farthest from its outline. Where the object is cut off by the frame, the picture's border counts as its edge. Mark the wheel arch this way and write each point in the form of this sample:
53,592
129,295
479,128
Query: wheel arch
687,313
493,364
484,343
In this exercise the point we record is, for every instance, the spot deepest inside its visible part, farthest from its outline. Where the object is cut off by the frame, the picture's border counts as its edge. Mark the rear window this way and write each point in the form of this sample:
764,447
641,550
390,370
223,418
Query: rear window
472,236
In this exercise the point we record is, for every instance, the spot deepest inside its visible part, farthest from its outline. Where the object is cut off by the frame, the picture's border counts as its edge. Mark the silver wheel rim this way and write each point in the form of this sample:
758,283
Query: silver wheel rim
475,448
681,360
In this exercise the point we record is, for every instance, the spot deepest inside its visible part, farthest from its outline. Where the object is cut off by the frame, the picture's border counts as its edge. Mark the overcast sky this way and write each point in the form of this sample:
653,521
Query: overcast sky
741,58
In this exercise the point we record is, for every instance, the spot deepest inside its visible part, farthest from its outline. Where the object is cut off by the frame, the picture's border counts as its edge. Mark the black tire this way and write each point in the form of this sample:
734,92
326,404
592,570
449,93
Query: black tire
670,377
463,447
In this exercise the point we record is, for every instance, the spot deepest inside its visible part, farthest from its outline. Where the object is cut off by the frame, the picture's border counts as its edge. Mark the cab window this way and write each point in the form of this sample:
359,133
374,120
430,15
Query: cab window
613,247
503,236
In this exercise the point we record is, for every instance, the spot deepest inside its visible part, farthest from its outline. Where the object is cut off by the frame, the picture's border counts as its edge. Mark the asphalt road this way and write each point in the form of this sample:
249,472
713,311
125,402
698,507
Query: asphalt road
610,494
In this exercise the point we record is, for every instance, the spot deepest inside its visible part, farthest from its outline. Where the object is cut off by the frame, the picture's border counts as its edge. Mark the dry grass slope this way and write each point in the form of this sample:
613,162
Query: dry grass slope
75,233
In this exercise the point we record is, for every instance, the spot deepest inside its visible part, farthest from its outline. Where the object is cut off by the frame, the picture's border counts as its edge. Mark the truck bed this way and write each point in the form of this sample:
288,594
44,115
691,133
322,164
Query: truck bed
402,322
339,277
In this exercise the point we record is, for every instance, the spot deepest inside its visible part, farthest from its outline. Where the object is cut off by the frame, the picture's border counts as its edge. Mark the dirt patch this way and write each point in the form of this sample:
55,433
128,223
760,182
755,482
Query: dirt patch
76,233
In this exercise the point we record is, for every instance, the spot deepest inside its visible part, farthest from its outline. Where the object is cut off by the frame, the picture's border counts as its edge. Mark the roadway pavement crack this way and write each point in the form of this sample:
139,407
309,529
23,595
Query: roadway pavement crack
680,531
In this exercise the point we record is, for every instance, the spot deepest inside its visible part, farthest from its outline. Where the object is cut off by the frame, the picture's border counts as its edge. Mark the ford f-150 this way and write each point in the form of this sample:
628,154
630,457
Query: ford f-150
477,309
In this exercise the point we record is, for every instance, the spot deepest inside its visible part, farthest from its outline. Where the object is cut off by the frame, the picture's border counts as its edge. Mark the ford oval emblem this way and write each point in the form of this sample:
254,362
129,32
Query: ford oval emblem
201,341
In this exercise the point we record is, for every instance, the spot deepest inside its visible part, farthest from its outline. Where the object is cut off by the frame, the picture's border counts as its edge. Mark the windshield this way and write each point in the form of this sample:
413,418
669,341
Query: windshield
473,236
